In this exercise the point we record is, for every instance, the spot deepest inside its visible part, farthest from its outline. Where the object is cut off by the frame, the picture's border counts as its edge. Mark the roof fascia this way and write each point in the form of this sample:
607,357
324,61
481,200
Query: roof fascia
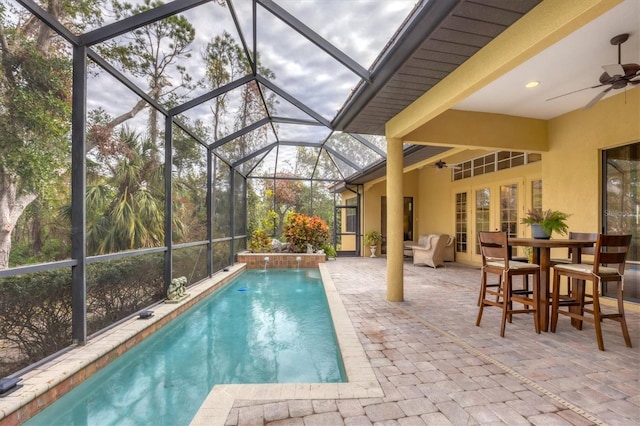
423,23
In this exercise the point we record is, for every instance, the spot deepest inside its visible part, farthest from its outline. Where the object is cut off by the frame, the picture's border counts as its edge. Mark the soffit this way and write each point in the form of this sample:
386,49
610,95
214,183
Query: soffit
467,27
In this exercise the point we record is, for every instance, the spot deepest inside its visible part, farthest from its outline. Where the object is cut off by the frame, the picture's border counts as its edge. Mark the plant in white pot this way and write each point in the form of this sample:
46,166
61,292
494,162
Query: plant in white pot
373,239
545,222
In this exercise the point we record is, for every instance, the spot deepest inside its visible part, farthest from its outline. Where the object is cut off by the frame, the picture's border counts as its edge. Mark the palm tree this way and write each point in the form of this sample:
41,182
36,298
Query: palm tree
125,197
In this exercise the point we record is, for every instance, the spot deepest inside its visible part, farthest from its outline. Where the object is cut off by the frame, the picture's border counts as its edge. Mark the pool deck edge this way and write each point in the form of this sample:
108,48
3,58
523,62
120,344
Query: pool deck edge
362,382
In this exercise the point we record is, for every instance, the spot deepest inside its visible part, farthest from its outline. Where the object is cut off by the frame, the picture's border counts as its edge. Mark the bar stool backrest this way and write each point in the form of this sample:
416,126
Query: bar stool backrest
493,246
611,250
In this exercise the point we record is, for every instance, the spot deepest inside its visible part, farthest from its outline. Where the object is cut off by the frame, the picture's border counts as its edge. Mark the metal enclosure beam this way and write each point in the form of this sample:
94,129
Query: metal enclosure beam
52,22
168,197
78,197
232,221
291,99
315,38
139,20
209,213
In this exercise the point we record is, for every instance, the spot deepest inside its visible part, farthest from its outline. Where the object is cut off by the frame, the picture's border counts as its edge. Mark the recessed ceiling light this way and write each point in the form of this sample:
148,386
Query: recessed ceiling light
531,84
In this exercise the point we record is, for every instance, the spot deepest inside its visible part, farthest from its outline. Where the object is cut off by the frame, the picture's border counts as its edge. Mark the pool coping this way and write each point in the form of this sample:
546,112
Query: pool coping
361,379
45,384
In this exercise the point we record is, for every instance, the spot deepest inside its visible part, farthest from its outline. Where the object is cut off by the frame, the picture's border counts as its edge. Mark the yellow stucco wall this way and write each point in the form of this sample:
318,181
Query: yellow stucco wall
571,168
570,172
371,211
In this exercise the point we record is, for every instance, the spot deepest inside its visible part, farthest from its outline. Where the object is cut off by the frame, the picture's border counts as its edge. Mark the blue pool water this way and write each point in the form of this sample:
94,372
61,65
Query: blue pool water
263,327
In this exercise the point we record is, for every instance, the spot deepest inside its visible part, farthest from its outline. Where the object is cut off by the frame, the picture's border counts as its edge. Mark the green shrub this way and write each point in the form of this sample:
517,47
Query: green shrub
300,230
35,317
35,309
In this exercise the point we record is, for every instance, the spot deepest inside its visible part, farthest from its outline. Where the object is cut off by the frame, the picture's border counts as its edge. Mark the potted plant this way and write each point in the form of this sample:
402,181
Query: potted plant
544,222
374,239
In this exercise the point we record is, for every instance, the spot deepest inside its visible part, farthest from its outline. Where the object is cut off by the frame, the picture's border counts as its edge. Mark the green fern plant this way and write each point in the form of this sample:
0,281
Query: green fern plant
550,220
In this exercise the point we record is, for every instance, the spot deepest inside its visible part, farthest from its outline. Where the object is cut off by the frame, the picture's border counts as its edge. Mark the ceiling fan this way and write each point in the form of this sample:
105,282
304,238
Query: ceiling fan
616,76
441,165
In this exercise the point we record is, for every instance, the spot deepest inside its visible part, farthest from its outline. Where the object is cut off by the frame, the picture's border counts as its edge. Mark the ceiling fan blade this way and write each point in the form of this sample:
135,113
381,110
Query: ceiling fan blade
614,70
597,98
575,91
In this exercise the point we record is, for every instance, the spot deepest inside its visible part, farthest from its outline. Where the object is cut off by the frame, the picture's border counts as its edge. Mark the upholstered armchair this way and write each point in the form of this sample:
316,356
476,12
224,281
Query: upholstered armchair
449,254
432,254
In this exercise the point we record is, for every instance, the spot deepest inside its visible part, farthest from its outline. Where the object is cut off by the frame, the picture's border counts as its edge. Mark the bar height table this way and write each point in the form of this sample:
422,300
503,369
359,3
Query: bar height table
542,256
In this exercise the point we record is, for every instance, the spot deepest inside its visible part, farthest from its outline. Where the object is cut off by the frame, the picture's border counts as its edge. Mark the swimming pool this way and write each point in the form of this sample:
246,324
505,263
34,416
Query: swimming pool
271,327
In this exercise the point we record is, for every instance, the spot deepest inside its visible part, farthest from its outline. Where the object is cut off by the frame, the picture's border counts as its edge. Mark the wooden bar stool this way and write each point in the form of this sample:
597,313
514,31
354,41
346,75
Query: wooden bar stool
495,260
608,267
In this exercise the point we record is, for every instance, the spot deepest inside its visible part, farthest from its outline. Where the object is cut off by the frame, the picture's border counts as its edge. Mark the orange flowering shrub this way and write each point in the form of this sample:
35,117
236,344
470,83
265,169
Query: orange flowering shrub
300,230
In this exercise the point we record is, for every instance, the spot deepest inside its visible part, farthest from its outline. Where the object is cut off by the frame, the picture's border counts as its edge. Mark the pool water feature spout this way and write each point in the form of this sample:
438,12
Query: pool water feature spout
298,259
266,261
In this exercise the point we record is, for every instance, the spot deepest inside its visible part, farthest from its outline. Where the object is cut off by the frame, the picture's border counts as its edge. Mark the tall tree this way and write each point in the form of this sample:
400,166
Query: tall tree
225,62
152,52
35,90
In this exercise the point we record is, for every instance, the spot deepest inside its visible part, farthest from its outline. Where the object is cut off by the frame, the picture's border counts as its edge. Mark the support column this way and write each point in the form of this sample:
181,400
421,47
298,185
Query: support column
78,197
395,236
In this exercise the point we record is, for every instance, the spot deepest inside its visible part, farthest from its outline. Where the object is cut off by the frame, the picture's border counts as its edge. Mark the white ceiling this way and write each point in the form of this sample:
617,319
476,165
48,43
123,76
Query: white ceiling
573,63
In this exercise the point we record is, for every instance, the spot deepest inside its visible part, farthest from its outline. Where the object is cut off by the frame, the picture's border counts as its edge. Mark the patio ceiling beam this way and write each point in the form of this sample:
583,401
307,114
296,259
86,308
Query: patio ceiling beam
540,28
139,20
243,131
211,95
52,22
291,99
315,38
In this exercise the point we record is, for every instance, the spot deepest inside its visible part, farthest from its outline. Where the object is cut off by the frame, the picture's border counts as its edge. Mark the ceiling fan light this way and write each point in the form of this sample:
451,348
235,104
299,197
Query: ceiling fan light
531,84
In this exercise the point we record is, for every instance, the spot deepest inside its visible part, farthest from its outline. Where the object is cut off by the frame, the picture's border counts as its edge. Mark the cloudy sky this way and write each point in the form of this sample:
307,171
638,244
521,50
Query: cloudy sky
359,28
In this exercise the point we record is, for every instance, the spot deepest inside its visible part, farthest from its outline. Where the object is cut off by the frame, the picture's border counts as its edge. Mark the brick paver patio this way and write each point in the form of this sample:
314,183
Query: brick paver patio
437,368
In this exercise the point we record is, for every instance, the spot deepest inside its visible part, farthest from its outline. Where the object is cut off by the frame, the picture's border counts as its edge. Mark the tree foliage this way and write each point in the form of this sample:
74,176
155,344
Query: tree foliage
125,198
35,93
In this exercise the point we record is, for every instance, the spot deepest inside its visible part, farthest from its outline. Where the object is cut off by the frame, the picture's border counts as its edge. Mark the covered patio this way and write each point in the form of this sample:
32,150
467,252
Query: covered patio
436,367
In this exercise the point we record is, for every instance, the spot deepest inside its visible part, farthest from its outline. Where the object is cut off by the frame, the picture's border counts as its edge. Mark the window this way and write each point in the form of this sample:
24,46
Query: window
621,207
493,162
351,214
483,212
509,209
461,222
536,194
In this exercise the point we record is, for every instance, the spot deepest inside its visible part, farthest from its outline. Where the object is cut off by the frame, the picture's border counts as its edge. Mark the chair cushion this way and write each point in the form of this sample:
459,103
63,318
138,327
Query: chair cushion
586,268
512,264
423,240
